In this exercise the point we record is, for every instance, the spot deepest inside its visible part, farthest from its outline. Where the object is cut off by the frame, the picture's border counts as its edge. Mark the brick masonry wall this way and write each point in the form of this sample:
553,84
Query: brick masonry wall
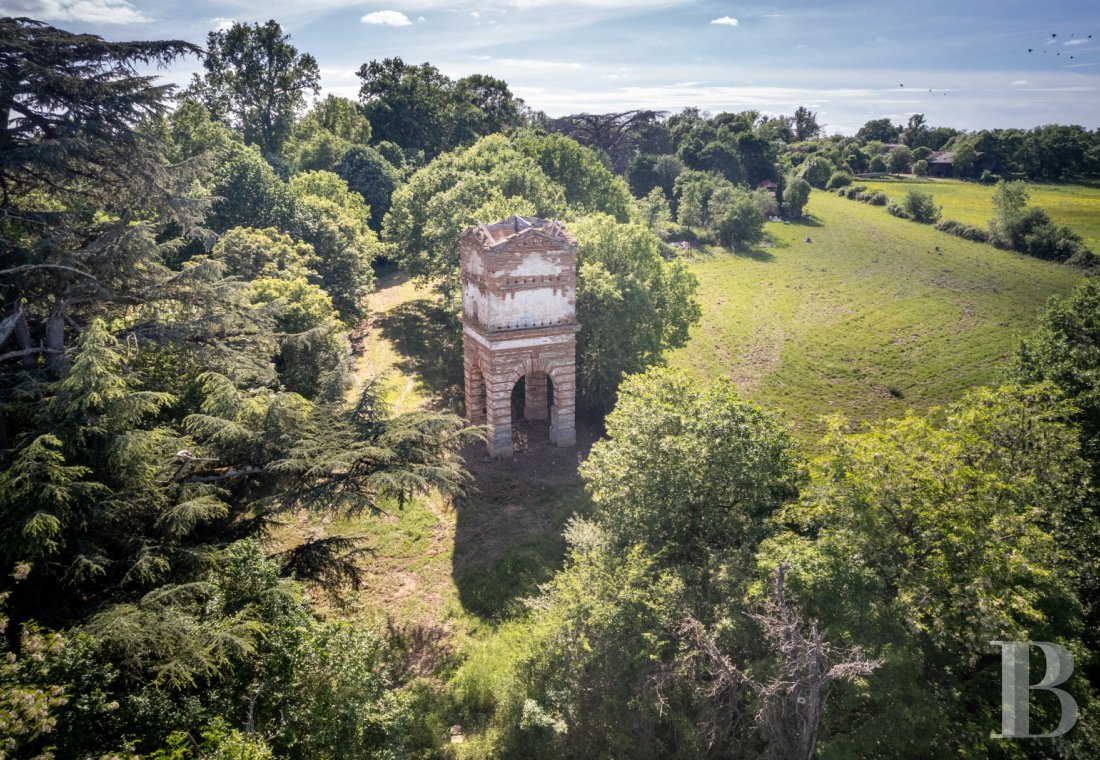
519,321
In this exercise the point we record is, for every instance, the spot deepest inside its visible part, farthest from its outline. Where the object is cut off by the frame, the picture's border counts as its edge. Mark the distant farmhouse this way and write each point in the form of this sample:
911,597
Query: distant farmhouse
941,163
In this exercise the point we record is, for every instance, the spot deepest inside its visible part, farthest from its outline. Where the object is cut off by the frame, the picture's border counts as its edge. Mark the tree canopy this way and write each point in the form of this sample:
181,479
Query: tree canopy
256,81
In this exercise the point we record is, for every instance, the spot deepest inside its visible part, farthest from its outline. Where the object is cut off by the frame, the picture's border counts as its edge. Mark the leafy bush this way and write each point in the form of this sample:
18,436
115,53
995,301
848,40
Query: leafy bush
922,207
920,167
895,210
839,179
964,231
816,171
875,198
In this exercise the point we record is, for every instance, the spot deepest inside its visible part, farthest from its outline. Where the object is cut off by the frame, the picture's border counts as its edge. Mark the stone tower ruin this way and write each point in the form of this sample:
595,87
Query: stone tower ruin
519,320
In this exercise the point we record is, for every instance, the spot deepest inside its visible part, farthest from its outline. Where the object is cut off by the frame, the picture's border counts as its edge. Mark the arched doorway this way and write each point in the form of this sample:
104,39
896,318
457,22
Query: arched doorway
531,401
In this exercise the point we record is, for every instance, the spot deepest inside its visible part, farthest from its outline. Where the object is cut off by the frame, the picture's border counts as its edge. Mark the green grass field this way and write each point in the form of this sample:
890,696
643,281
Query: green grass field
874,316
1076,206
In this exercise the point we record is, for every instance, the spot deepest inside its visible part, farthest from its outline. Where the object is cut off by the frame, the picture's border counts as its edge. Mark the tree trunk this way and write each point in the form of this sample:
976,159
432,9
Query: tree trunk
55,336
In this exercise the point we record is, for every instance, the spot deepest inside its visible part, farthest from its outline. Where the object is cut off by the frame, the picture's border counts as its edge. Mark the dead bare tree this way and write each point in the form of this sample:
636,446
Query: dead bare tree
613,133
790,703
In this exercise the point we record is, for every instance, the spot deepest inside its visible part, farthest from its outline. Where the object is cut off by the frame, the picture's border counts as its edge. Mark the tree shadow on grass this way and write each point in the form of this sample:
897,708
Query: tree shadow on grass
428,339
807,220
756,254
508,530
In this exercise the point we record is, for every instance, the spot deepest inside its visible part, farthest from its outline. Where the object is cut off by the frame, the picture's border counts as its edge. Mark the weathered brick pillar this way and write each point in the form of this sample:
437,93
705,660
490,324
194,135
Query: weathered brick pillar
499,417
534,402
563,430
475,390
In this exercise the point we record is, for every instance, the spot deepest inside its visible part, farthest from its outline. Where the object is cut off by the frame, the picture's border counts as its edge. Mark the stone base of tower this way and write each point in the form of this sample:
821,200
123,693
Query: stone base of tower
494,362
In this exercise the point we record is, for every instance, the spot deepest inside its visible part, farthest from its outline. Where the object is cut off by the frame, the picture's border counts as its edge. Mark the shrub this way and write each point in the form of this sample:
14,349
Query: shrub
876,198
839,179
817,171
878,164
922,207
920,167
895,210
964,231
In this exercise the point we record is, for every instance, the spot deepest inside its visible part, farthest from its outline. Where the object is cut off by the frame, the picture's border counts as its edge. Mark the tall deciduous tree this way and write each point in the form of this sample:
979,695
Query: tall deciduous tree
632,305
256,81
805,124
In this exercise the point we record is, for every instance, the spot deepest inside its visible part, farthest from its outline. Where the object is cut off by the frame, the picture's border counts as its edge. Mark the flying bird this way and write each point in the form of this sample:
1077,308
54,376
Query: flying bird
1029,50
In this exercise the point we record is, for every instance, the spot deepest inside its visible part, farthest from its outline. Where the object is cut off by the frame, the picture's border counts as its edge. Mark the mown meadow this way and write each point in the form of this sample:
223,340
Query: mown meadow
873,316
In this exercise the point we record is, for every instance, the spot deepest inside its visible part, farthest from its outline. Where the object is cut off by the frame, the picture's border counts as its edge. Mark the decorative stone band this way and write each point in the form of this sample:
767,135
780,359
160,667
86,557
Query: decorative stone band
532,337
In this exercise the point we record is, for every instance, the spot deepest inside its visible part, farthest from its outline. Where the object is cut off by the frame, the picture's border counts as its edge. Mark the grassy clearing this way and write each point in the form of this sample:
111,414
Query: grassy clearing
1076,206
874,316
438,573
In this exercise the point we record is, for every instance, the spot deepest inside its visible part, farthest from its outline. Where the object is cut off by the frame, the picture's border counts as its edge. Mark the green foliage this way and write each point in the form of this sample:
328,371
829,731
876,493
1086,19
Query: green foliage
334,221
796,193
343,118
426,113
321,139
881,130
965,231
312,338
654,212
920,167
48,81
256,82
899,160
805,124
965,158
248,193
817,171
29,697
707,471
1031,230
642,176
368,173
566,682
738,218
250,253
922,207
488,181
219,741
588,185
905,516
330,693
624,281
878,164
839,179
765,201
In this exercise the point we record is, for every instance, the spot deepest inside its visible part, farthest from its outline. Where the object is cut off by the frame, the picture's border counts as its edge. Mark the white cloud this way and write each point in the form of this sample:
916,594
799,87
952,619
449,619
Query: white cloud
725,21
387,18
89,11
221,24
1076,42
1019,83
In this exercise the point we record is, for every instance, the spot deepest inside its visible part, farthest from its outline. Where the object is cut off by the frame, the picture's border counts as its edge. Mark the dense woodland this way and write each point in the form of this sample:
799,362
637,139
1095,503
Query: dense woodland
179,274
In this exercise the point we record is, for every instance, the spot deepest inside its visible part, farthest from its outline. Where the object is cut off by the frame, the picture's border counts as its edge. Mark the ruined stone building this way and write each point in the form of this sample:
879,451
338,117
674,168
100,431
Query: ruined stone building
519,321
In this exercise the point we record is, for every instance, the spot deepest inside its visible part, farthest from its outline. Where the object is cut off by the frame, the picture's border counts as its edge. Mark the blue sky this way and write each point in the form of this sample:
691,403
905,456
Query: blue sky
962,64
